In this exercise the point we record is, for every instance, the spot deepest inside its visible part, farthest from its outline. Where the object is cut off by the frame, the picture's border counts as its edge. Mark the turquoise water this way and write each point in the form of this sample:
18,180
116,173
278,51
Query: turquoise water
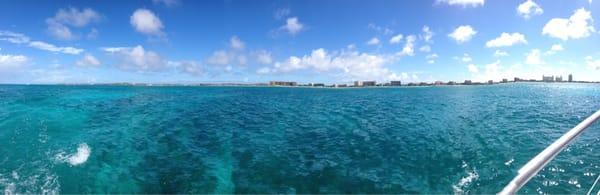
461,139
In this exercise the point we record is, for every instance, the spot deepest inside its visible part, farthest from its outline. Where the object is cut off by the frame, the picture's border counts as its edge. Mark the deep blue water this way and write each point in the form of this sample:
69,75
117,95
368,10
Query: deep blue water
455,139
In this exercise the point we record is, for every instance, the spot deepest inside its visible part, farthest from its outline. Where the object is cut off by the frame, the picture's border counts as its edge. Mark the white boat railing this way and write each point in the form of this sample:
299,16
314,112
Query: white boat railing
538,162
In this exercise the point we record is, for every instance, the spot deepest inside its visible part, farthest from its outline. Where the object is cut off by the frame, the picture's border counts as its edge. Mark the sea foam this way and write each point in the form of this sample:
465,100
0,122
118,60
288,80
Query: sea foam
80,157
83,152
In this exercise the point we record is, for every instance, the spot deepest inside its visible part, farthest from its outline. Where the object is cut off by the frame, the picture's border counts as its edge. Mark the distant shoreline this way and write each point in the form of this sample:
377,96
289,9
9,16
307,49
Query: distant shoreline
281,86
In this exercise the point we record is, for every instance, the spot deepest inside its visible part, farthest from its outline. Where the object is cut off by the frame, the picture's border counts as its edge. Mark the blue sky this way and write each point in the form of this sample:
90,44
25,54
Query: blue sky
334,41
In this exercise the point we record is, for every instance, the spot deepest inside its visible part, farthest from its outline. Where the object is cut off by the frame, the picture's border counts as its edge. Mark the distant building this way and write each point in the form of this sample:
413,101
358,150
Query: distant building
558,79
451,83
438,83
358,83
395,83
570,78
468,82
282,83
318,85
517,79
504,80
340,85
547,78
490,82
369,83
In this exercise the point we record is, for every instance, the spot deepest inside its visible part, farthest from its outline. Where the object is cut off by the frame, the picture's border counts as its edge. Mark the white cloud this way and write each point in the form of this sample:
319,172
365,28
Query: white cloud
113,50
380,29
137,59
554,49
18,38
168,3
12,62
500,53
293,26
396,39
264,57
220,57
592,64
534,58
190,67
49,47
236,43
373,41
462,34
507,39
59,31
350,64
431,58
93,34
12,37
579,25
425,48
528,9
281,13
464,3
146,22
427,34
472,68
58,25
88,60
264,70
408,48
466,58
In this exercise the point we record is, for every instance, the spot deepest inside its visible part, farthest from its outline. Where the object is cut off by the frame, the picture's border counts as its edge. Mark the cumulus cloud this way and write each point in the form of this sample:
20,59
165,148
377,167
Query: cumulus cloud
492,71
146,22
534,57
507,39
528,9
425,48
462,34
579,25
427,34
236,43
396,39
373,41
137,59
466,58
58,26
472,68
264,70
351,64
220,57
500,53
49,47
292,26
12,62
264,57
13,37
463,3
88,60
190,67
18,38
431,58
554,49
592,64
408,48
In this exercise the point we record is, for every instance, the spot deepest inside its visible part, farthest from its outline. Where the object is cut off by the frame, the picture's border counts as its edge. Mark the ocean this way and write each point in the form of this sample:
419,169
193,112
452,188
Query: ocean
432,140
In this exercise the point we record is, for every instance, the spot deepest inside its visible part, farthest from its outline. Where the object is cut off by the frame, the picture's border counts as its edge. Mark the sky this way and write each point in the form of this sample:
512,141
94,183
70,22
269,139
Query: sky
331,41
